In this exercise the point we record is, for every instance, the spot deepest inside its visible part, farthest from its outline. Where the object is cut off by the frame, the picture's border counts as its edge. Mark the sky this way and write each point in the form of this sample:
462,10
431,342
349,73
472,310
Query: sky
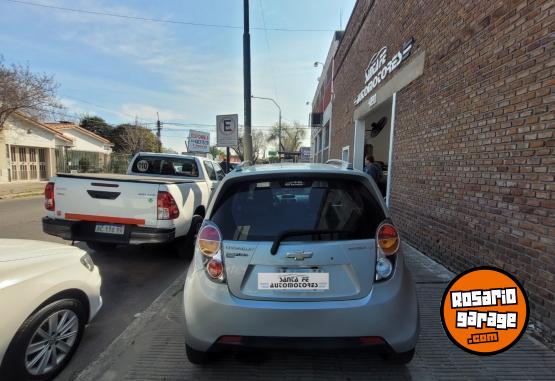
121,69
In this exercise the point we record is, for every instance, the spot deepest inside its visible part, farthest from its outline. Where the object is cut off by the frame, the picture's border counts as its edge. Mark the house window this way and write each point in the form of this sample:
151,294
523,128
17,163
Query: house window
326,137
22,154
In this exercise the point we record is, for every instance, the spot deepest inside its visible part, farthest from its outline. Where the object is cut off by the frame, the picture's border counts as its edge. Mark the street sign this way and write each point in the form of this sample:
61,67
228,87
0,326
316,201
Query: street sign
198,141
272,153
227,130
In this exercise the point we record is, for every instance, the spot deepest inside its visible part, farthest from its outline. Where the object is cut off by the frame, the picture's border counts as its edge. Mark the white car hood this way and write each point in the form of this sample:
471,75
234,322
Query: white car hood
21,249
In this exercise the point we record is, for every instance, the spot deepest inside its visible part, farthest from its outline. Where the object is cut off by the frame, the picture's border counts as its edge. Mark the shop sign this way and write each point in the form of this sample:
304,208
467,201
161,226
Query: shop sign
378,70
198,141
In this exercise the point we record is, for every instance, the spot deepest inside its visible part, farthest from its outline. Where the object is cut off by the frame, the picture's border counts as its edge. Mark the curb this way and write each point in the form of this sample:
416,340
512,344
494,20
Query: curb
11,196
97,370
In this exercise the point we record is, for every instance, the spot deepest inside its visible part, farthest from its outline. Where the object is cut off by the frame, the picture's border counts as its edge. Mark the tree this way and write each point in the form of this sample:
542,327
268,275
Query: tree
291,136
216,152
97,125
24,91
258,145
130,139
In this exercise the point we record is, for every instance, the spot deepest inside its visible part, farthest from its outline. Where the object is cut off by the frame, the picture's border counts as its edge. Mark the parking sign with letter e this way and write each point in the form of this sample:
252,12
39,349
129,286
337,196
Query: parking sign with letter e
227,132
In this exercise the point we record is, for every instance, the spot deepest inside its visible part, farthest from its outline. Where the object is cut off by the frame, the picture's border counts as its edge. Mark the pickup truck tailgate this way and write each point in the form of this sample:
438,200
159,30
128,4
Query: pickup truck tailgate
106,199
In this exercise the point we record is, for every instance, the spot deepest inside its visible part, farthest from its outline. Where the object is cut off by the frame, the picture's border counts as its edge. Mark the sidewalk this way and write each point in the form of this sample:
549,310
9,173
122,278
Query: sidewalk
152,348
21,189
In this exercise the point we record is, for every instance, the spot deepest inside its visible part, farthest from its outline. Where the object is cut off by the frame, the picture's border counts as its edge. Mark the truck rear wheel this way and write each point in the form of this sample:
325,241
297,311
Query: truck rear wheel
101,246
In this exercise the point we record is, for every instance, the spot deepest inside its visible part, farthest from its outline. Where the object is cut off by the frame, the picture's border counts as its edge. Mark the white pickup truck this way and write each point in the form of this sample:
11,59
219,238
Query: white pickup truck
162,198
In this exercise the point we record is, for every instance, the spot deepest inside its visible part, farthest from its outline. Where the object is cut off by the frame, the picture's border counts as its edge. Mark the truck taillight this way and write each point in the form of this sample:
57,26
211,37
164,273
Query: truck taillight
209,243
49,202
167,208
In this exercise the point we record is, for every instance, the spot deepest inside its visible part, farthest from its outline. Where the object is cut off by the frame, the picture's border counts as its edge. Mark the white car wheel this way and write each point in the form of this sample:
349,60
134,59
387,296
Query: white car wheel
45,342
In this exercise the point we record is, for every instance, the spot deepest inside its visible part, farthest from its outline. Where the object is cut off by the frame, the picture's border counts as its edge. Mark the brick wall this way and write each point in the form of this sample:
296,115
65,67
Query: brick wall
474,149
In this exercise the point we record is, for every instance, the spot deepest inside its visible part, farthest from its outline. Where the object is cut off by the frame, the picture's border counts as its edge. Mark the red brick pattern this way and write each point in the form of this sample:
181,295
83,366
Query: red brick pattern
474,150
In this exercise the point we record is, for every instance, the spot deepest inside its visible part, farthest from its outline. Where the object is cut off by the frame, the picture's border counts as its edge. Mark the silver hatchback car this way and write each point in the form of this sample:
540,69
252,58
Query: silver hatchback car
299,256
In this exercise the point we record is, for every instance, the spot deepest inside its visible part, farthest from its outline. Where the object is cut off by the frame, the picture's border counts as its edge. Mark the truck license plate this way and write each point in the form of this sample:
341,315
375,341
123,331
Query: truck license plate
293,281
109,229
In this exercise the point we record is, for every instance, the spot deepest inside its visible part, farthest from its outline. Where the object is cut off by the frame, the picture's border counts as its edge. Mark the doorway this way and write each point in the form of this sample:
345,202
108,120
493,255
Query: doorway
374,138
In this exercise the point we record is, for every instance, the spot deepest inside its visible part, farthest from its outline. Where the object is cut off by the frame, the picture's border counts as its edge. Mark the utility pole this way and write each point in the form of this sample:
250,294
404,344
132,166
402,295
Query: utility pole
247,137
159,132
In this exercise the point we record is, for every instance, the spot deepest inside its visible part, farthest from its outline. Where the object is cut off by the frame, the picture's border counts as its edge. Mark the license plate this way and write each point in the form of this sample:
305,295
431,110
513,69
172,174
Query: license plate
109,229
293,281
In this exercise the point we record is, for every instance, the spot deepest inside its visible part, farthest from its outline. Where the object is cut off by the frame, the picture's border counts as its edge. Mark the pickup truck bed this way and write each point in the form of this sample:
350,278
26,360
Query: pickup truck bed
126,178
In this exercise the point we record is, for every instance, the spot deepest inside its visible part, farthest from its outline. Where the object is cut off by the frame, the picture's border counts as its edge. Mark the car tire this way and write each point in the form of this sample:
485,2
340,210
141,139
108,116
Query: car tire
399,357
18,365
101,246
196,357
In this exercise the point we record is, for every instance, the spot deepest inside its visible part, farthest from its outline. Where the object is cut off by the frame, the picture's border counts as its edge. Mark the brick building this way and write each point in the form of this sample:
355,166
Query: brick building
457,100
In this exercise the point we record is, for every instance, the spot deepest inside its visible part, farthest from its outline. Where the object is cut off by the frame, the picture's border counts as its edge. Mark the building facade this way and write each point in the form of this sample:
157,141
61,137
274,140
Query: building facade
456,99
89,152
35,151
320,117
29,149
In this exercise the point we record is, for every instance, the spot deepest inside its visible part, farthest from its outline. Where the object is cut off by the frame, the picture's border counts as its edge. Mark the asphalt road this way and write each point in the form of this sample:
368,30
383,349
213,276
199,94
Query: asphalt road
132,278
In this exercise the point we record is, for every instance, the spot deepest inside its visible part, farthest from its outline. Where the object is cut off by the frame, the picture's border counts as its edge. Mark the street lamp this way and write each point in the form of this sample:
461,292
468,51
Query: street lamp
279,120
316,63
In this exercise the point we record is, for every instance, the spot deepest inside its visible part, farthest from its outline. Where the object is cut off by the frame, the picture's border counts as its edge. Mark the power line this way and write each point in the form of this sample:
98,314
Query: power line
165,21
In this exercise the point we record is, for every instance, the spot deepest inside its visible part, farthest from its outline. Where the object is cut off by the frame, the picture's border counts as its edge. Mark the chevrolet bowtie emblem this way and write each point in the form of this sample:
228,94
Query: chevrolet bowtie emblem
299,255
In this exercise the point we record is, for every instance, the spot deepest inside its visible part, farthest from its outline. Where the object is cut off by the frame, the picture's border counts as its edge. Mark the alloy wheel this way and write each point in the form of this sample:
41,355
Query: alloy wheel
51,342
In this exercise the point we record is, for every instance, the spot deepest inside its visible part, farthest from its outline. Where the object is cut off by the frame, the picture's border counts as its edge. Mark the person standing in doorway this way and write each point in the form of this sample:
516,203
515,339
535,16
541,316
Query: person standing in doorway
375,170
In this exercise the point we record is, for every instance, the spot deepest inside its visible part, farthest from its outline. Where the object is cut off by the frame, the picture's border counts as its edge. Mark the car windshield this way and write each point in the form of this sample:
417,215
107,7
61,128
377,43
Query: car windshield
170,166
261,210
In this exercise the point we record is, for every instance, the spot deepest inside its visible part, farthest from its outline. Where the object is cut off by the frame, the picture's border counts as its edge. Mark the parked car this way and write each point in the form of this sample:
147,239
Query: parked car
159,200
48,293
299,255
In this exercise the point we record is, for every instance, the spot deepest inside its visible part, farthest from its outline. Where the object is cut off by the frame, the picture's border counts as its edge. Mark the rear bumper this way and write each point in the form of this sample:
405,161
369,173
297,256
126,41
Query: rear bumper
84,231
389,312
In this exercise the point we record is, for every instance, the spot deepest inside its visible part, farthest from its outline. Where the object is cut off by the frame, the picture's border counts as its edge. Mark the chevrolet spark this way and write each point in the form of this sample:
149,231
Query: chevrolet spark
299,256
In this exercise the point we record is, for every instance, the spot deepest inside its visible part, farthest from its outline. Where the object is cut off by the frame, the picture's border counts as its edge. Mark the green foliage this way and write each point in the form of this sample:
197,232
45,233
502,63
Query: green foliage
97,125
216,152
130,139
291,136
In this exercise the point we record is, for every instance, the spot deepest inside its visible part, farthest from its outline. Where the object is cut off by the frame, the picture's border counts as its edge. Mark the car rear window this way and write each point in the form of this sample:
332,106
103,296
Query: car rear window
261,210
169,166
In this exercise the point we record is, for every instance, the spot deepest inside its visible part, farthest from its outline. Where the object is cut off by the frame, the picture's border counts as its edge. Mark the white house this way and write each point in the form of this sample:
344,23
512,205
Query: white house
29,149
32,151
89,151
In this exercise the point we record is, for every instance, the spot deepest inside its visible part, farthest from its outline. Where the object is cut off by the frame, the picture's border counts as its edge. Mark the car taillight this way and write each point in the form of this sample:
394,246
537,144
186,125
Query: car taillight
167,208
209,241
388,239
387,242
49,202
215,268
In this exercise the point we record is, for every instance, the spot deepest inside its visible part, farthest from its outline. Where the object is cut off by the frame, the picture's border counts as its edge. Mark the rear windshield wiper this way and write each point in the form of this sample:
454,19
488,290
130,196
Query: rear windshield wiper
296,233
